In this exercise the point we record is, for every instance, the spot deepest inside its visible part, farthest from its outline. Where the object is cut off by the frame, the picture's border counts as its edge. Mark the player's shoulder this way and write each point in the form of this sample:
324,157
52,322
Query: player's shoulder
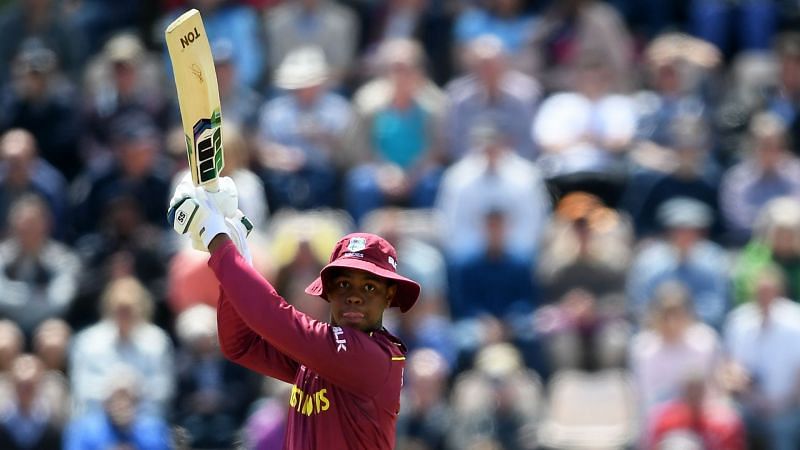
393,344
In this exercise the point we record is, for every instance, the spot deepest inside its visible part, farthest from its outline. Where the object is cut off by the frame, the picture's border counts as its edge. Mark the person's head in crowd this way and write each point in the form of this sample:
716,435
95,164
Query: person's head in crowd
487,59
689,136
304,72
51,342
237,150
18,152
685,221
587,217
788,50
224,63
670,311
770,141
135,139
770,285
122,391
489,141
595,77
30,222
127,303
124,53
33,69
196,329
26,376
778,227
12,342
123,216
670,58
401,61
427,372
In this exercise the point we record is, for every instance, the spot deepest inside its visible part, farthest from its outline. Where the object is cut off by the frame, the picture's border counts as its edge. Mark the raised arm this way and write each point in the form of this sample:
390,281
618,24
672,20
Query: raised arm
346,357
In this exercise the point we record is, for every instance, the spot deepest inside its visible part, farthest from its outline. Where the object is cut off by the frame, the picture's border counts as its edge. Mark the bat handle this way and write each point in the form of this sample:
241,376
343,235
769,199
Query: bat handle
212,186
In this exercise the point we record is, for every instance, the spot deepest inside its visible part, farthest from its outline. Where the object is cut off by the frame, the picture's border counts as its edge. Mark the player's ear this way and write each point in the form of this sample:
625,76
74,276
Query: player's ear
391,291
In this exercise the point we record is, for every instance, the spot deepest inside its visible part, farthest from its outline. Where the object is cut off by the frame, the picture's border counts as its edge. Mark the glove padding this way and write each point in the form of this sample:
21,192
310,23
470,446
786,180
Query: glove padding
226,199
199,216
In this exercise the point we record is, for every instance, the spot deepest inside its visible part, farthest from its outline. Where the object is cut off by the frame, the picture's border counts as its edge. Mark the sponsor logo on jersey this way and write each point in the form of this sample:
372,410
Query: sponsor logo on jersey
341,342
308,404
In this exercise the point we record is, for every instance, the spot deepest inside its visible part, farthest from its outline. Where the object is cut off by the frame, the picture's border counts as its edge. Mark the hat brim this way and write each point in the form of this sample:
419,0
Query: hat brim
407,289
290,82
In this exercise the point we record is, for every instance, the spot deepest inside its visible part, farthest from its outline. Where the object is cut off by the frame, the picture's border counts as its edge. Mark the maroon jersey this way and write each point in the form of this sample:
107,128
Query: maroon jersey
346,383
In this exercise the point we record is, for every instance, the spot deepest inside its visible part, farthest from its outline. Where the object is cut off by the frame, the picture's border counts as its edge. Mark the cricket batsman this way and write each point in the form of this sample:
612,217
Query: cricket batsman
346,374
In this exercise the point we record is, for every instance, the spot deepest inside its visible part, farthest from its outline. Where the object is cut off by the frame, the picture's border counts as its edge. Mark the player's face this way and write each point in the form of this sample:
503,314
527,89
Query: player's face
358,299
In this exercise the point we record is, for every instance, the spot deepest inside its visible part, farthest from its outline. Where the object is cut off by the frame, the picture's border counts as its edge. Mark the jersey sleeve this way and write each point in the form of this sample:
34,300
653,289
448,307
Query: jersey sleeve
244,346
348,358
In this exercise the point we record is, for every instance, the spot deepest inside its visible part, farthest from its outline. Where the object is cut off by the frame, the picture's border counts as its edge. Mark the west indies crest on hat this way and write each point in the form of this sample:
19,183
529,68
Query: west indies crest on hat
373,254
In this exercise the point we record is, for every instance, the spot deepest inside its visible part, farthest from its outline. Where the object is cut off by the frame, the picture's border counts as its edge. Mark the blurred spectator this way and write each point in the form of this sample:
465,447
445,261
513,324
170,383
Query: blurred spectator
121,423
213,393
491,91
776,240
682,167
299,246
122,81
498,400
26,423
50,344
740,26
99,19
41,21
124,337
424,415
136,173
586,246
305,134
38,276
493,281
23,172
684,254
768,172
785,99
711,423
505,19
401,114
492,177
672,348
761,341
324,24
12,342
123,245
238,24
572,29
583,132
39,100
240,102
266,426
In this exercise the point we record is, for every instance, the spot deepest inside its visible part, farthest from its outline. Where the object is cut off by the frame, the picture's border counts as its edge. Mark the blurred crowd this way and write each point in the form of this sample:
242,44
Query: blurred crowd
600,199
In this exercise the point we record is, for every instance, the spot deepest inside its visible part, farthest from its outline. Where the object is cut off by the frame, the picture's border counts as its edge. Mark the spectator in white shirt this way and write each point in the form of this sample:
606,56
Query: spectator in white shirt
124,337
492,177
761,339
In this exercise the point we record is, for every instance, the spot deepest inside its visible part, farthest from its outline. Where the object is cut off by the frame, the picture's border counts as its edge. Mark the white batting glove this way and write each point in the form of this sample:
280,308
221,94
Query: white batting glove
226,199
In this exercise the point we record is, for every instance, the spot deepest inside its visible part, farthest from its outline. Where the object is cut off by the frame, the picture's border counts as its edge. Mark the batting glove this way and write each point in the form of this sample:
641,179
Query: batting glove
226,199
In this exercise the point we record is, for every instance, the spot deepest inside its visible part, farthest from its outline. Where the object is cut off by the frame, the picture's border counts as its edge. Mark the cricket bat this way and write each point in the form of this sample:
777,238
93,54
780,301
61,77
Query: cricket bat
198,97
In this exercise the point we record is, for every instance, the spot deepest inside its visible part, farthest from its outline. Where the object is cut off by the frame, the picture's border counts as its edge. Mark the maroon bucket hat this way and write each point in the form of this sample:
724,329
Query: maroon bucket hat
372,254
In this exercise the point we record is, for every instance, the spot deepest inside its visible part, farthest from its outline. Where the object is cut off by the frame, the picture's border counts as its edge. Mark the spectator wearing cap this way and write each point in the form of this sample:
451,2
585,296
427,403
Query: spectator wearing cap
41,101
401,115
763,373
491,177
134,173
121,423
240,102
238,24
306,134
125,336
768,171
123,79
38,276
23,172
684,254
325,24
492,90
